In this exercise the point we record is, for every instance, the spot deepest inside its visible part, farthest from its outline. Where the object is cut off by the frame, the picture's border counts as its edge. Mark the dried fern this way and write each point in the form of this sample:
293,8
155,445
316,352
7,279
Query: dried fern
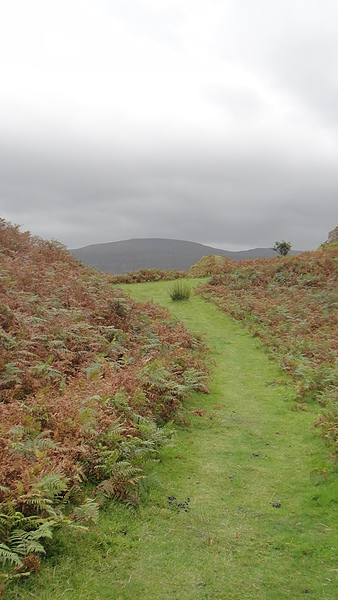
10,375
123,478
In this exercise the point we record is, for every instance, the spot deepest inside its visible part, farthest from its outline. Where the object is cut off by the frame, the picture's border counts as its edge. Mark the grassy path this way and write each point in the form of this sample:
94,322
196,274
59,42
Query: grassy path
236,543
248,452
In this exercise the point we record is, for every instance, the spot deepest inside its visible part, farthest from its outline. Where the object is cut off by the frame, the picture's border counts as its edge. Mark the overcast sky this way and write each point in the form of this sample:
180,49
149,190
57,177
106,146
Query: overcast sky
214,121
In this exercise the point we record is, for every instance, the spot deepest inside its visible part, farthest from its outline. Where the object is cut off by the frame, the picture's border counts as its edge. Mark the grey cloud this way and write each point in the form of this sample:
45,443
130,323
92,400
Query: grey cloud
232,203
293,45
243,103
157,22
241,153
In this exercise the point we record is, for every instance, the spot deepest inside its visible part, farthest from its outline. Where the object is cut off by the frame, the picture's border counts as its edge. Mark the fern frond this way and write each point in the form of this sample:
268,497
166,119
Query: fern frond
10,374
122,478
19,431
125,470
149,483
88,512
23,543
40,504
107,489
51,486
7,556
12,519
94,371
27,542
64,521
36,500
45,370
45,530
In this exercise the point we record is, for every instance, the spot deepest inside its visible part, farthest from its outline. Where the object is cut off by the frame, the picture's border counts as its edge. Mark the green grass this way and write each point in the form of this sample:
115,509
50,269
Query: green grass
245,451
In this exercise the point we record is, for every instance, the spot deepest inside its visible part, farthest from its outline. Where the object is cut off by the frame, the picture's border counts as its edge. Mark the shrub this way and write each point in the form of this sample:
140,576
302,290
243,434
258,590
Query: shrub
180,291
283,248
147,275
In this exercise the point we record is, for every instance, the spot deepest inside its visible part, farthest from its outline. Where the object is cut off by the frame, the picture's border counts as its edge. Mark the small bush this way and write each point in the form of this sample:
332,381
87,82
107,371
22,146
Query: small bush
180,291
283,248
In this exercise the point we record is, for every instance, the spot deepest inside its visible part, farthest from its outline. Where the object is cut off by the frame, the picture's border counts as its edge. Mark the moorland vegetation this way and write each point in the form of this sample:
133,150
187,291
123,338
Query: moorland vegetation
88,380
290,303
205,267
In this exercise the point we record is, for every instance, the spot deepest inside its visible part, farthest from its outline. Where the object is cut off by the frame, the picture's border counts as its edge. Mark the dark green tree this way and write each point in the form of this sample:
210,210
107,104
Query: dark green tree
283,248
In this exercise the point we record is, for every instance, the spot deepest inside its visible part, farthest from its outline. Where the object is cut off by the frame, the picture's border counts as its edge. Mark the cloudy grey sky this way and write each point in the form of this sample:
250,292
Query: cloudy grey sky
213,121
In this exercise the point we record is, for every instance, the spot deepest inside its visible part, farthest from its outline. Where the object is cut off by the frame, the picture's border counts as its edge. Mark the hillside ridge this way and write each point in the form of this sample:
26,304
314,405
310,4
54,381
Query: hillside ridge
88,378
156,253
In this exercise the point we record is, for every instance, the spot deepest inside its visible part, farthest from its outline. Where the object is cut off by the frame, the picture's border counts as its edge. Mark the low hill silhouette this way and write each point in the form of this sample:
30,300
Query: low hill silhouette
155,253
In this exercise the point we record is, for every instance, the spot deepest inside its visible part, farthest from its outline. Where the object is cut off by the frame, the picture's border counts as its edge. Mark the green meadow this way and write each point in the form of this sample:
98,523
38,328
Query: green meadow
241,505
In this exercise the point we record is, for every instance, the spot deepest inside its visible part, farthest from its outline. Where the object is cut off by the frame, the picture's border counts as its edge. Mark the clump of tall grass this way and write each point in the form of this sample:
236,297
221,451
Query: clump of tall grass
180,291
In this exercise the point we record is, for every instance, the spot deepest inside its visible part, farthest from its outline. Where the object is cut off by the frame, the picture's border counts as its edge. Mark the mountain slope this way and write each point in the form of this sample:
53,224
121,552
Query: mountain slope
155,253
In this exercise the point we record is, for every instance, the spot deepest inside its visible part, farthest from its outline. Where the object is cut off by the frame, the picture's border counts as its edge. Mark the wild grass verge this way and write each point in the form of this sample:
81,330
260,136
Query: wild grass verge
290,304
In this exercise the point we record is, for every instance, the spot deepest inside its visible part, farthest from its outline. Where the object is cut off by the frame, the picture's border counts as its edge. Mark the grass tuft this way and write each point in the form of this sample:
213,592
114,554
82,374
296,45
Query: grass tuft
180,291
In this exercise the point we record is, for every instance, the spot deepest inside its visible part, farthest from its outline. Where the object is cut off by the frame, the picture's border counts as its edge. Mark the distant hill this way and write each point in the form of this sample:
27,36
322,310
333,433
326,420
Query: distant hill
155,253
